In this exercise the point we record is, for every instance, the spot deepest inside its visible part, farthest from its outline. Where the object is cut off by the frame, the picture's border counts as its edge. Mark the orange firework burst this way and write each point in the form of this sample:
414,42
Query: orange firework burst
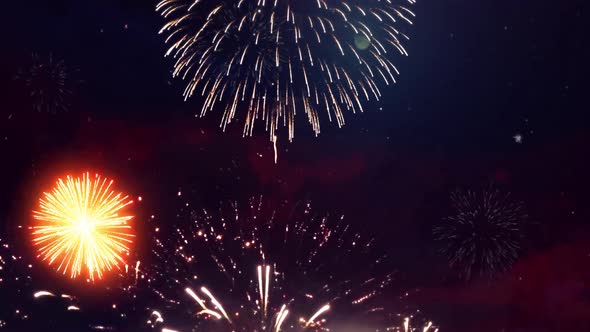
80,225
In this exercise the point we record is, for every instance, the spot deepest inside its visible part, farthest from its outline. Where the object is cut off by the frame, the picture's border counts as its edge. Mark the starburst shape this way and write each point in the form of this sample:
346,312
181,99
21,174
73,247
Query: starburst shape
484,234
81,226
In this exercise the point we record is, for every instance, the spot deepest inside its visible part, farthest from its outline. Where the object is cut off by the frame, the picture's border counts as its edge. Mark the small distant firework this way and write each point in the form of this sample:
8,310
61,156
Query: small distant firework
484,235
81,224
49,83
269,59
257,268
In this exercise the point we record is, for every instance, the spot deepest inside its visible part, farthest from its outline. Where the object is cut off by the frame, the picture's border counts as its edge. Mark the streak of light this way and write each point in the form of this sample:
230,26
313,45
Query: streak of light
317,314
210,312
216,303
281,318
42,293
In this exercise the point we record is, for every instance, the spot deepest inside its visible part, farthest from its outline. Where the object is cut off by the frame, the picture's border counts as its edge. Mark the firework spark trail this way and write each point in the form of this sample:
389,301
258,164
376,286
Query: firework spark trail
216,303
271,59
158,315
281,315
42,293
263,279
317,314
484,235
79,225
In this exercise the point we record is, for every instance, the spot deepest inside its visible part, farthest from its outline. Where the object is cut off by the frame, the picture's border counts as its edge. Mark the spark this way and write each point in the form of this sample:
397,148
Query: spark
136,270
317,314
281,318
42,293
158,315
408,328
215,302
266,278
81,225
274,145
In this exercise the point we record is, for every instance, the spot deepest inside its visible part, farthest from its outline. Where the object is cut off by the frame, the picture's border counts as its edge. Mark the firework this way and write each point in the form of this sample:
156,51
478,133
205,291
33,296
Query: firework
257,268
484,234
49,83
81,224
273,58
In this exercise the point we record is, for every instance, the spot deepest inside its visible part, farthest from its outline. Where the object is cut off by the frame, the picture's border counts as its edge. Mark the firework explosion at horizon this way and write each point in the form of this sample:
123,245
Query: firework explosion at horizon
257,267
266,60
262,268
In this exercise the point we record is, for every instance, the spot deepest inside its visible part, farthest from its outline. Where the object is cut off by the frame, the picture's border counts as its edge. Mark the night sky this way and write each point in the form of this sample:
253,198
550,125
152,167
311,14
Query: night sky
493,93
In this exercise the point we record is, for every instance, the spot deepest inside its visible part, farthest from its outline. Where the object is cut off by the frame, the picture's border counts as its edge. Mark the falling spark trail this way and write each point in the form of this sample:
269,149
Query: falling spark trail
42,293
210,312
216,303
317,314
159,318
267,281
281,318
137,271
274,144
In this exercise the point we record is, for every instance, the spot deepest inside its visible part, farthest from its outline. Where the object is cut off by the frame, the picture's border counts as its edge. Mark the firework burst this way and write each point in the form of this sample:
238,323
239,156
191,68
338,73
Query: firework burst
257,268
81,224
49,83
484,234
273,58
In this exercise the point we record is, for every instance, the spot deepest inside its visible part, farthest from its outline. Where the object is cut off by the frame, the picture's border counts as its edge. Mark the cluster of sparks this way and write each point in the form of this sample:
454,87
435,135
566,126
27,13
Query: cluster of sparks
256,268
274,58
15,278
49,83
264,278
484,235
81,224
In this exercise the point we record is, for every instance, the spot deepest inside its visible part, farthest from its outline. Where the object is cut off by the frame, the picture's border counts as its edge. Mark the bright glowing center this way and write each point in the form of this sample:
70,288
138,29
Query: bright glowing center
85,226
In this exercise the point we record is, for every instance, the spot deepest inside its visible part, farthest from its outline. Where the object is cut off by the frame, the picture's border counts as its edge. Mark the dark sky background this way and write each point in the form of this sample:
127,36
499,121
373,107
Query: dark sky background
479,73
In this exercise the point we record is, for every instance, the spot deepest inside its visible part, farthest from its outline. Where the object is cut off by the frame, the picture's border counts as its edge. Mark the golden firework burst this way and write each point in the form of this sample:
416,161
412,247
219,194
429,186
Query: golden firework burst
81,225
